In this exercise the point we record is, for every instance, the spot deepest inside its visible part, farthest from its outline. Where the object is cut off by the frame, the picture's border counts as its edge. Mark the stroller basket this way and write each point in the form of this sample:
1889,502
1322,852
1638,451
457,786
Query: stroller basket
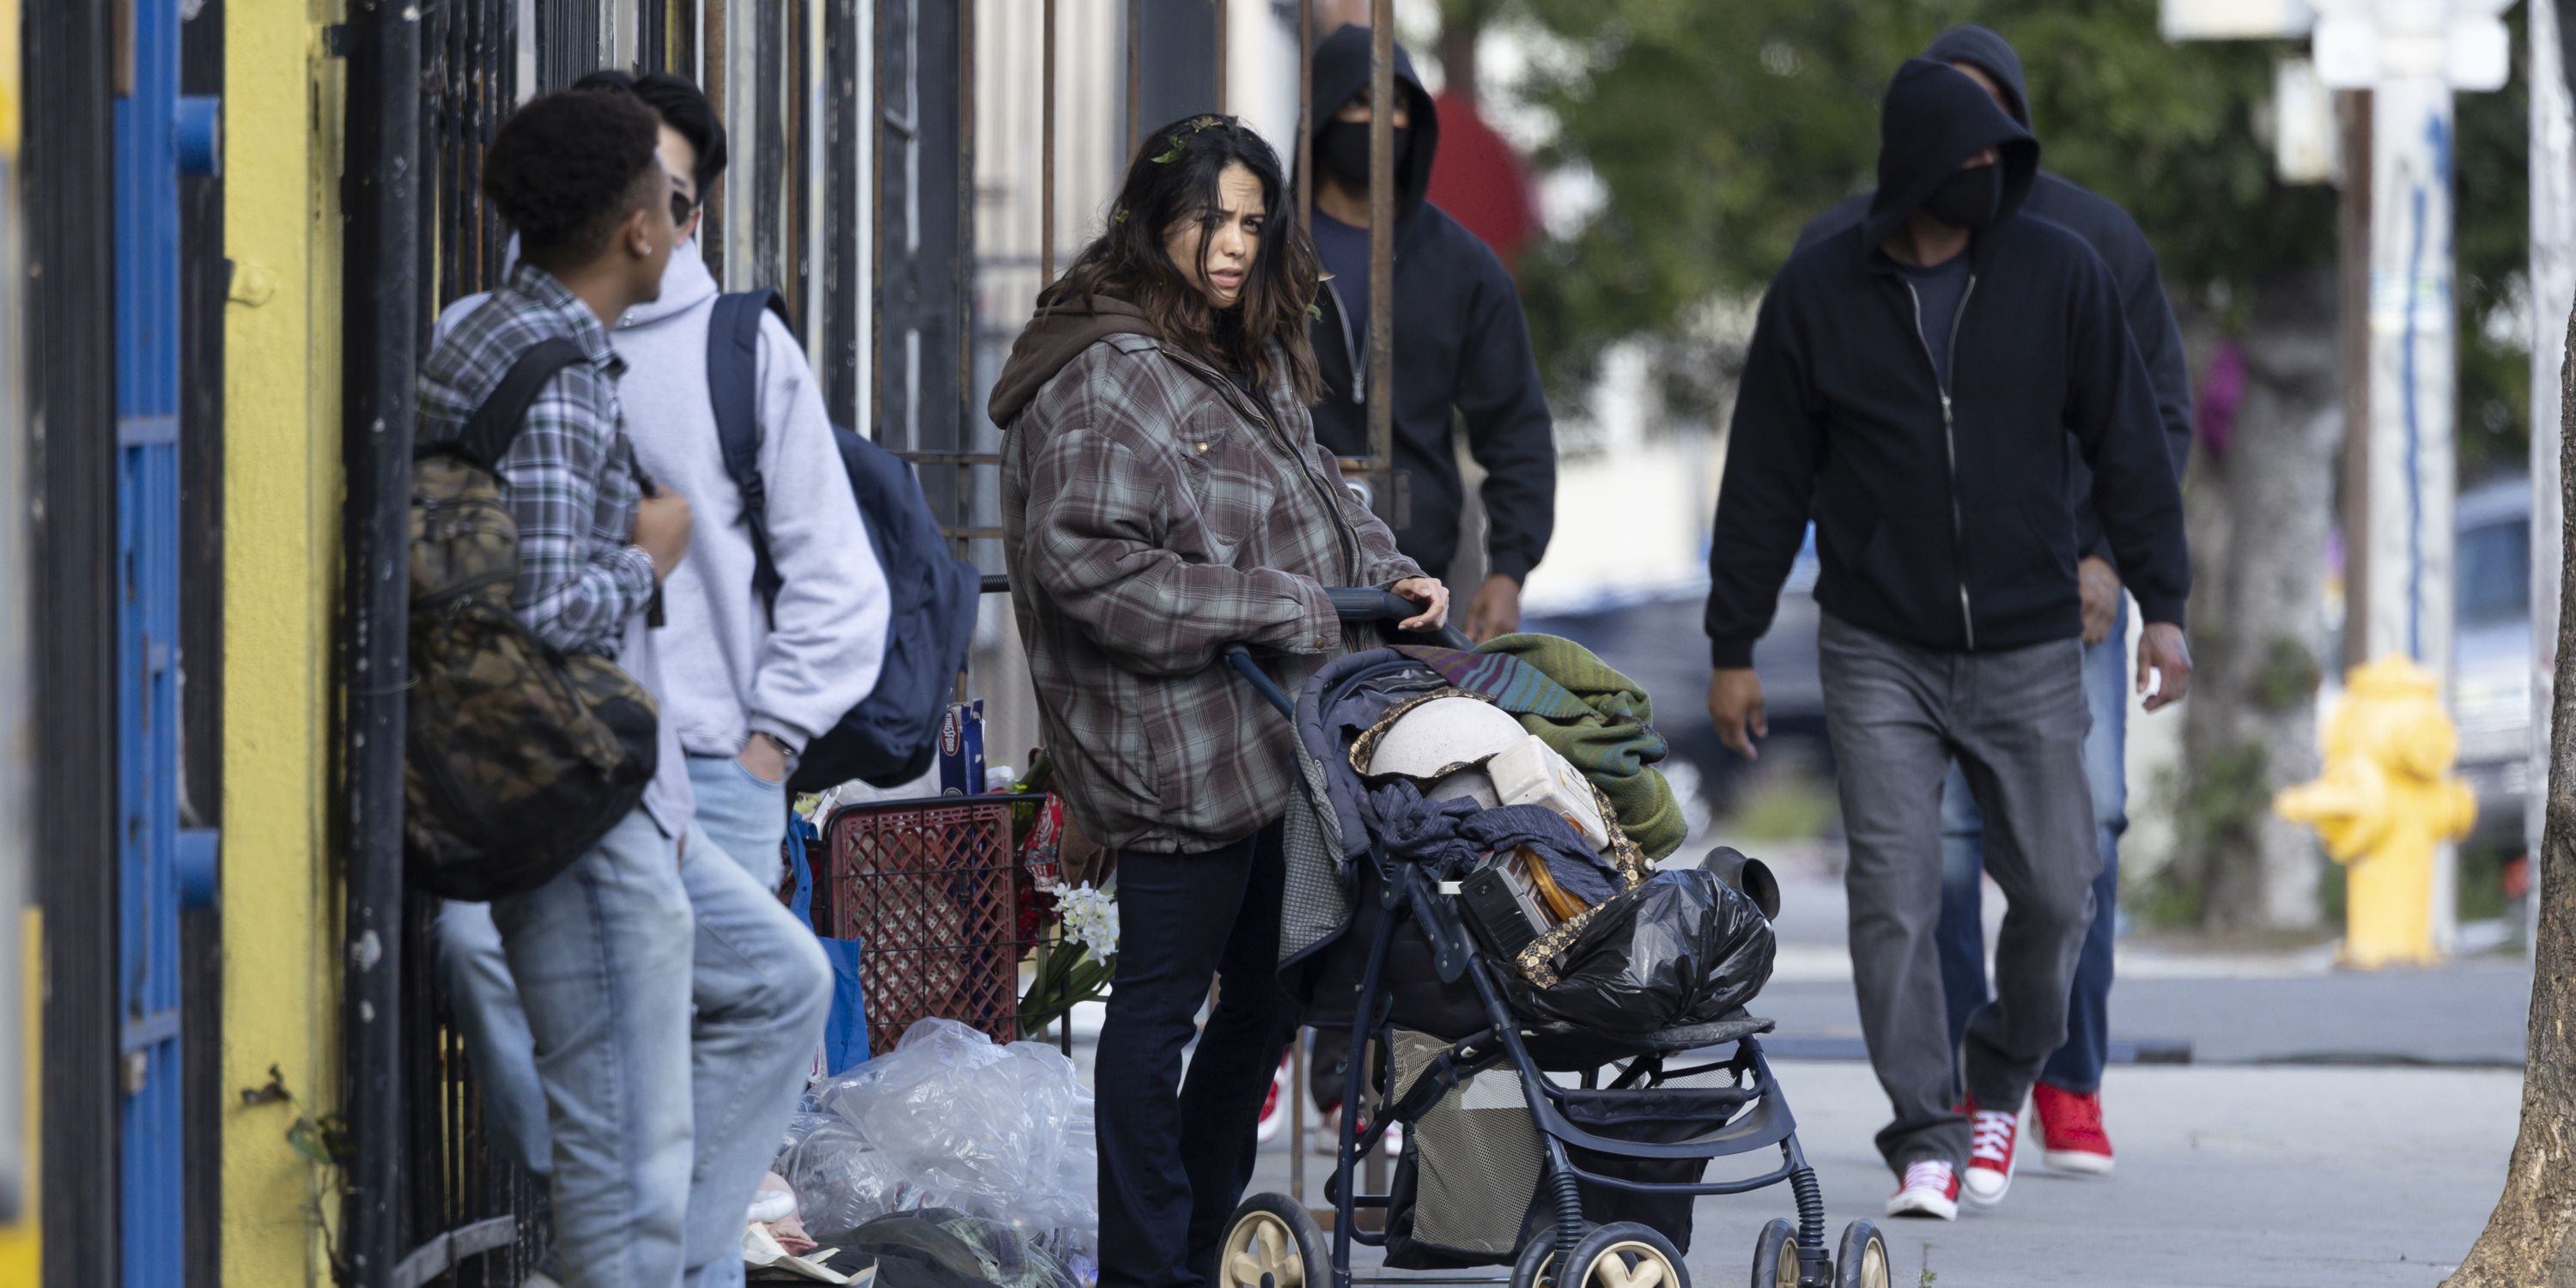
1468,1189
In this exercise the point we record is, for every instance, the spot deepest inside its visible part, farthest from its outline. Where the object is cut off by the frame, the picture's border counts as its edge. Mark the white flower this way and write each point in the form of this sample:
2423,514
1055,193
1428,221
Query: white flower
1090,917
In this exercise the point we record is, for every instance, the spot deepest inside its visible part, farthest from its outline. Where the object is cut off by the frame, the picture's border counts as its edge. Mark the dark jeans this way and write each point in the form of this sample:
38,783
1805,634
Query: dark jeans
1898,715
1175,1157
2077,1064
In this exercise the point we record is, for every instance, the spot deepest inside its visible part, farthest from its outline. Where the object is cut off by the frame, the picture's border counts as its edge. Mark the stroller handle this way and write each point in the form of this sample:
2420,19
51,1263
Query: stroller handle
1353,604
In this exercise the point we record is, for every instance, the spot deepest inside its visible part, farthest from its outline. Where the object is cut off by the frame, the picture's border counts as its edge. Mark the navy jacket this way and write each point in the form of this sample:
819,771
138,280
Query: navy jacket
1462,352
1942,517
2111,233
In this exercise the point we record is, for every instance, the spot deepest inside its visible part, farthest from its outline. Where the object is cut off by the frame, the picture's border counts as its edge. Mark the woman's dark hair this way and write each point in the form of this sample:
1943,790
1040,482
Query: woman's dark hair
1174,178
567,167
683,107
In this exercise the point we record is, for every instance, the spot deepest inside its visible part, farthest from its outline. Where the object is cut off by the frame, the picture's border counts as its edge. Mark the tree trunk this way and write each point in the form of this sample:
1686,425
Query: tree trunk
2261,509
2530,1241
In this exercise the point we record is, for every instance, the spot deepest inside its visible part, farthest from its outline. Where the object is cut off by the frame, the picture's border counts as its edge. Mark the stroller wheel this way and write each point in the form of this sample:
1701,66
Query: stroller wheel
1273,1243
1775,1256
1861,1261
1536,1265
1623,1255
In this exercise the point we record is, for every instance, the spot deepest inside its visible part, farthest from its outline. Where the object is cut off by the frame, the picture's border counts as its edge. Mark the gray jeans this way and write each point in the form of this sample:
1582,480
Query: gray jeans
2015,722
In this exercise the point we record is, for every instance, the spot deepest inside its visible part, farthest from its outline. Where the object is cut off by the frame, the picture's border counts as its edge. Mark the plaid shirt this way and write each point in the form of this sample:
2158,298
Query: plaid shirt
569,477
1149,519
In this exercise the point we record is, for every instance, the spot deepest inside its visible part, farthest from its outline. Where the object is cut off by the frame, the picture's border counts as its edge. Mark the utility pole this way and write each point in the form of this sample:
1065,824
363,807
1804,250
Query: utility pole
2411,55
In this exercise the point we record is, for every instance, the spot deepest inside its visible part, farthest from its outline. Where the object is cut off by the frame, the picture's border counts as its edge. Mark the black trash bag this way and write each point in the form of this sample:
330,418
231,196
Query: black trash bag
1681,949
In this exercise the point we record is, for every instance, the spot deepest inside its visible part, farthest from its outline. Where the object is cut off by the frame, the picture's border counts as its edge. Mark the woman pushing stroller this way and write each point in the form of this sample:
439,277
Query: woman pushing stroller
1163,496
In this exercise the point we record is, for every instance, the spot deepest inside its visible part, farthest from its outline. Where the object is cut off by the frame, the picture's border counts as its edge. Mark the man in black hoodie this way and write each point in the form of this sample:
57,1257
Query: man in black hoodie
1920,386
1462,348
2068,1098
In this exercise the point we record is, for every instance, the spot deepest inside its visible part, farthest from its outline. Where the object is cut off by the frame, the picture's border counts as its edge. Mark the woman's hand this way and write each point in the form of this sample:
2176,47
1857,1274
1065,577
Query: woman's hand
1434,598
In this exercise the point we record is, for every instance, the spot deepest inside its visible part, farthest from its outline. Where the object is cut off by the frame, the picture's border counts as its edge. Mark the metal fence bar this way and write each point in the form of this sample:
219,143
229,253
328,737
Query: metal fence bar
1381,318
1305,108
1135,130
1223,49
964,492
1046,151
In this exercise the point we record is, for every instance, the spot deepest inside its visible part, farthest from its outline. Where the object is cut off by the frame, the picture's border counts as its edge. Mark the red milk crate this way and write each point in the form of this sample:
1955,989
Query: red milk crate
927,888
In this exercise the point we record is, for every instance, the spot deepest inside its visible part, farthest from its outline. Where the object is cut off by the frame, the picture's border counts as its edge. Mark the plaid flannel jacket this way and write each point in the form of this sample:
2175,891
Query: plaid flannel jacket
1151,515
569,477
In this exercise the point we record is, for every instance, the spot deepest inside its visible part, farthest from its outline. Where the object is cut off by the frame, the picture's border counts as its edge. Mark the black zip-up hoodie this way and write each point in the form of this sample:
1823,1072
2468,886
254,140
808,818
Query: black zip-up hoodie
1942,517
1462,349
2105,227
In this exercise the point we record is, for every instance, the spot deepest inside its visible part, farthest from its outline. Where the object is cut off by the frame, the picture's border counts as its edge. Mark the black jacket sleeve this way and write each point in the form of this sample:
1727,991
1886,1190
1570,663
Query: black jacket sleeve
1509,430
2159,340
2111,407
1772,449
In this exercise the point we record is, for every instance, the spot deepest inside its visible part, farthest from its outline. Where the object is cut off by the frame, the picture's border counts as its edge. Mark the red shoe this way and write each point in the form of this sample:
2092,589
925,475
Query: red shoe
1931,1189
2070,1130
1990,1154
1274,1107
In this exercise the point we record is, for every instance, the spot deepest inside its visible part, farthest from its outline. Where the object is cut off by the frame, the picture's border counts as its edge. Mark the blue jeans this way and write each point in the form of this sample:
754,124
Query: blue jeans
2077,1065
745,816
761,989
598,964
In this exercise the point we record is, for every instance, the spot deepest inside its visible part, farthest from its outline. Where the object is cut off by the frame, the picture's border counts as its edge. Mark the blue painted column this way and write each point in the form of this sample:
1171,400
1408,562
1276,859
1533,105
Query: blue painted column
157,134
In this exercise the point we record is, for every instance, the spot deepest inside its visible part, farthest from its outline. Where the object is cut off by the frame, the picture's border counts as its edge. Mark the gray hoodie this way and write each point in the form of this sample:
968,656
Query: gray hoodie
726,670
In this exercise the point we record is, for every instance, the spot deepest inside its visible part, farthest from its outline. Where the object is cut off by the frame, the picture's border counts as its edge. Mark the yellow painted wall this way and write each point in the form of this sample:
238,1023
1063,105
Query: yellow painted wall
20,1247
281,900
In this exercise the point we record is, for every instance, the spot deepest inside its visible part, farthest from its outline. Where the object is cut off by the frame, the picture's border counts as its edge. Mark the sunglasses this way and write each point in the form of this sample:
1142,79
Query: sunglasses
681,205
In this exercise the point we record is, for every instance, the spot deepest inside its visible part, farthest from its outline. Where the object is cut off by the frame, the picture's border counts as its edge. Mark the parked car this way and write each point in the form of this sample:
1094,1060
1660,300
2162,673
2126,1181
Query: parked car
2491,673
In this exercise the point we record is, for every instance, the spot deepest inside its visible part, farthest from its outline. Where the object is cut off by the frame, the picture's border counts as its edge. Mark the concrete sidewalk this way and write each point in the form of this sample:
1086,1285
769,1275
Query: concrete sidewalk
2228,1178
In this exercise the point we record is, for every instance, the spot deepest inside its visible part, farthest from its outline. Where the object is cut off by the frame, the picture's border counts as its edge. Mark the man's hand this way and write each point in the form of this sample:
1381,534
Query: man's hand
1735,703
1496,609
2161,650
1434,598
2099,585
662,530
764,758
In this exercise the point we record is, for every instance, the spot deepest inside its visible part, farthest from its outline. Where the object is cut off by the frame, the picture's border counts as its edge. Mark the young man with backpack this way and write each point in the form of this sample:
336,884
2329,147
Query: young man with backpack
600,952
756,985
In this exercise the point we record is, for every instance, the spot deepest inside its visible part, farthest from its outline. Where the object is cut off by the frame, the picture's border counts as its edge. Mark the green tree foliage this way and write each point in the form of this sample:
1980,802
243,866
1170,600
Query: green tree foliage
1717,131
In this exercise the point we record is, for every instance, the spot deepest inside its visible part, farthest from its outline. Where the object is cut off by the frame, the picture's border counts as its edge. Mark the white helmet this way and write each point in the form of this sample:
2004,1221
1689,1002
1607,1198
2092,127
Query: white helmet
1443,736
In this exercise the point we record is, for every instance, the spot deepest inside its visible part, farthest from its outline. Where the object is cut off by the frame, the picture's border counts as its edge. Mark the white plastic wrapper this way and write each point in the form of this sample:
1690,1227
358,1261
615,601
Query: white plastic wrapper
948,1119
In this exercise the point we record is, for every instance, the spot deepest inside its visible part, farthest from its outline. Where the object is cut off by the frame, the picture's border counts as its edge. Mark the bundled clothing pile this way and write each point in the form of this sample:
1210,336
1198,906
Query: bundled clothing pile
1590,933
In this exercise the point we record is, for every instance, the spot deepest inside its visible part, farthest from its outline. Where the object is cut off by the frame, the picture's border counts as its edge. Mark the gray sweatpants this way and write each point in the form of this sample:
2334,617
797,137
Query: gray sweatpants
2015,721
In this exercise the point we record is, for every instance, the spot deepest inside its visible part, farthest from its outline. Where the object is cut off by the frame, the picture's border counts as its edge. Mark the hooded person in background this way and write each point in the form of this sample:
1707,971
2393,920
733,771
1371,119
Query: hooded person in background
1919,386
1462,348
2069,1095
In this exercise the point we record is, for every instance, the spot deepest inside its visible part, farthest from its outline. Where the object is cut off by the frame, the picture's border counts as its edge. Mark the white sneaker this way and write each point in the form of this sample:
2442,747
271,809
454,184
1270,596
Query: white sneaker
1991,1155
1931,1189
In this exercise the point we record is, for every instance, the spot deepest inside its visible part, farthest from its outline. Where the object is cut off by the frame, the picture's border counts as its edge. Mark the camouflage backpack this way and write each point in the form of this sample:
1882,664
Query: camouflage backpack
519,757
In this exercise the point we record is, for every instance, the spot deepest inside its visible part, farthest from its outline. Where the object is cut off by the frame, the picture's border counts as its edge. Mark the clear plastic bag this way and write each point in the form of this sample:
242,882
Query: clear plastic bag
949,1119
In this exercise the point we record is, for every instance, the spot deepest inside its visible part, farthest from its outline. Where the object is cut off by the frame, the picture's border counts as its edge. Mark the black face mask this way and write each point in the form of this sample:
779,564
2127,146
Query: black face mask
1968,199
1342,148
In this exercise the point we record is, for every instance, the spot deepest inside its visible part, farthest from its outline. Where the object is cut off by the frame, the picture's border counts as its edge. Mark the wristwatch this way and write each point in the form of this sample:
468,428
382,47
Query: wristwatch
785,752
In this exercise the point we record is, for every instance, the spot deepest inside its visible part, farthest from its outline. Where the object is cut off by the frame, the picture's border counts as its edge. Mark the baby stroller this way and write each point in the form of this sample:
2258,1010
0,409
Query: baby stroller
1581,1185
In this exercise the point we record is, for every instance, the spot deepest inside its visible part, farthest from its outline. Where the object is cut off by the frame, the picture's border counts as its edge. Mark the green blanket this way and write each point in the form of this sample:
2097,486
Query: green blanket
1598,719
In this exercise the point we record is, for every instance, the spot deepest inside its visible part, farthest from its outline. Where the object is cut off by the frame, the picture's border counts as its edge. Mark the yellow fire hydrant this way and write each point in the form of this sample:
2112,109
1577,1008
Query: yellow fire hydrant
2383,802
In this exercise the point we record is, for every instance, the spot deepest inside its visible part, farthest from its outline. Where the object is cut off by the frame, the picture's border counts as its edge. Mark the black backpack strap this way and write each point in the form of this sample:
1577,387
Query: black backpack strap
486,437
733,386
